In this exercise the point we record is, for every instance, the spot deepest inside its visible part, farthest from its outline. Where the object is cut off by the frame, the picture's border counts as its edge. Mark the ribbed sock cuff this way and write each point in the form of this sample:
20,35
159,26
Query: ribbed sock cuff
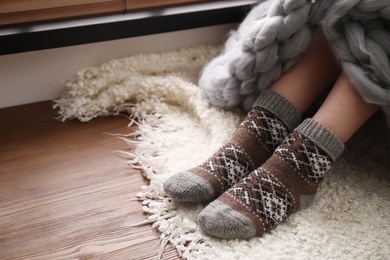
280,107
322,137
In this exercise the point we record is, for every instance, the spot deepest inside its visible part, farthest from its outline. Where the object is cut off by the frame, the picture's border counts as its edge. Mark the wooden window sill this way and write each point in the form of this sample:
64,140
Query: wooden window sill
113,27
30,12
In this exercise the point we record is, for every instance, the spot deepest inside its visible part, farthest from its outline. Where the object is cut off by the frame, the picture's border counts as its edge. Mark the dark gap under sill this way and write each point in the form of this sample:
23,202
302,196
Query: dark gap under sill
83,31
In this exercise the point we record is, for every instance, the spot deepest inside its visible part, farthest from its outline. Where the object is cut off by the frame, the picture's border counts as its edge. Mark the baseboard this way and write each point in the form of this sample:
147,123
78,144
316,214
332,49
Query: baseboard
35,76
36,60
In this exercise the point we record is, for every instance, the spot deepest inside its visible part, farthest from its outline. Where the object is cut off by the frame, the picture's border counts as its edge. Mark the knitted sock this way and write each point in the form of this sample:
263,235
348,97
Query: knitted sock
281,186
265,127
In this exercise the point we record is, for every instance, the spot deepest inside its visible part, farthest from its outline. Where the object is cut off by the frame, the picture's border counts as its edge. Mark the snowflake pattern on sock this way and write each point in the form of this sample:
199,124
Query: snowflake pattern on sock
229,165
306,158
264,196
276,189
232,163
254,142
269,200
265,125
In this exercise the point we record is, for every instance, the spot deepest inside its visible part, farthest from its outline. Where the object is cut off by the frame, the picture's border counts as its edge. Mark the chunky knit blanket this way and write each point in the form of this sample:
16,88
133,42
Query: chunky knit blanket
275,34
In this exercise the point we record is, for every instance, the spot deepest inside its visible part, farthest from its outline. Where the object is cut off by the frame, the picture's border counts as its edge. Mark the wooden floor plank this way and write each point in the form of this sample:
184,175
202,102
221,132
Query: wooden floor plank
65,193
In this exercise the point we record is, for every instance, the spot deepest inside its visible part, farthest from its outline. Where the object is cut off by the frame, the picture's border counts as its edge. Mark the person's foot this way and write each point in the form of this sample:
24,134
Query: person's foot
280,187
265,127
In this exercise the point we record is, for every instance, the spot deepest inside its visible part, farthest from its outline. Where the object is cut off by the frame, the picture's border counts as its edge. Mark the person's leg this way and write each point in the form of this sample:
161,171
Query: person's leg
274,115
303,83
289,179
343,116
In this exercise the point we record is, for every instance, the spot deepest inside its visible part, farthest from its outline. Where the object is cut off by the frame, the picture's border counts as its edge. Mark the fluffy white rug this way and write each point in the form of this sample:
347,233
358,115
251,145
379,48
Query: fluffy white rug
178,130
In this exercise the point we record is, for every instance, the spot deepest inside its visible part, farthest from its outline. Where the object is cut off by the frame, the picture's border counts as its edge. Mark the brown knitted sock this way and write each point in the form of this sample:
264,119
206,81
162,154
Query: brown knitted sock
264,128
281,186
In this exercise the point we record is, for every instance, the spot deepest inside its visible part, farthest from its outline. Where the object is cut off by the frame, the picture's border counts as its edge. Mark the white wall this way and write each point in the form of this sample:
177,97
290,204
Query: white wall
39,75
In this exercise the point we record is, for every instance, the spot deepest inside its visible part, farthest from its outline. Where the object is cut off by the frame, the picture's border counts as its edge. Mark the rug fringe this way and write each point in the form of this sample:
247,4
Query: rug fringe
122,135
163,243
142,223
131,155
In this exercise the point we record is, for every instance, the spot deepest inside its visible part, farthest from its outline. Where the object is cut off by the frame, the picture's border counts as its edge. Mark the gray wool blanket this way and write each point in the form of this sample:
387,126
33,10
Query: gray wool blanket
276,33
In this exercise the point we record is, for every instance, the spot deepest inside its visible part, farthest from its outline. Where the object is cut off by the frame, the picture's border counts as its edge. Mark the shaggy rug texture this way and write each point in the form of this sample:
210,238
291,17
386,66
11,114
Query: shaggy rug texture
178,129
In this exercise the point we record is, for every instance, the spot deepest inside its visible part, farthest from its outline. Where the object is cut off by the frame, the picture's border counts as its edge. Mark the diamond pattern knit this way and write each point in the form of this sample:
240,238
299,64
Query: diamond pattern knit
305,157
271,193
253,143
263,129
238,158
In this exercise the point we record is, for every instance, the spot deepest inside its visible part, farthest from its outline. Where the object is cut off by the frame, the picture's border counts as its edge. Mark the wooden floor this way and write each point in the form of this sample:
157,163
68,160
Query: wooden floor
64,192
